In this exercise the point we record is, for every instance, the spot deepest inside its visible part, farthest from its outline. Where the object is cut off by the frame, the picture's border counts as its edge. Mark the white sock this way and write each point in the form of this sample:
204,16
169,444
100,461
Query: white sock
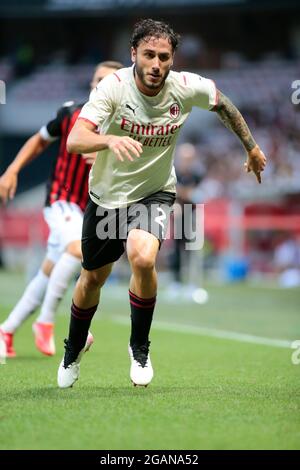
64,270
30,300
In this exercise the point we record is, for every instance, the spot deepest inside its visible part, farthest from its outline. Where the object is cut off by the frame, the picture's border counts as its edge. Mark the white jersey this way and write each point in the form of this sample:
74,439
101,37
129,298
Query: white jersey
119,108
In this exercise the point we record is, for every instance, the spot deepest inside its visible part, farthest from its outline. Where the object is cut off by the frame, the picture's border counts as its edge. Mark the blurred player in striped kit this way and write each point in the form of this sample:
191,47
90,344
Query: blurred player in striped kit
67,196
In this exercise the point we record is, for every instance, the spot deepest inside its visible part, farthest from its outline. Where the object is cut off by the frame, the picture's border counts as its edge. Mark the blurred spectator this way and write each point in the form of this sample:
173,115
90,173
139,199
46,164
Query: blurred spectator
276,125
232,60
189,172
24,60
1,260
191,53
287,261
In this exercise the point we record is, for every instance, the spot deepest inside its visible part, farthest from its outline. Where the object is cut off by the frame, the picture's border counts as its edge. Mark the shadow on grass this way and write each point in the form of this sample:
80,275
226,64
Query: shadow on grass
96,392
27,358
232,391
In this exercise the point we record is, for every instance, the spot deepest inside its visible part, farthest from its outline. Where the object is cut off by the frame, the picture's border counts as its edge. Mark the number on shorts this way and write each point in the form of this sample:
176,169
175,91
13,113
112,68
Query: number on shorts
159,218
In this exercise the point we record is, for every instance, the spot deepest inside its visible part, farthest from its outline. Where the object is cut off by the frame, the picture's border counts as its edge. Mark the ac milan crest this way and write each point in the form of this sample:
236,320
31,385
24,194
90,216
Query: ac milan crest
174,110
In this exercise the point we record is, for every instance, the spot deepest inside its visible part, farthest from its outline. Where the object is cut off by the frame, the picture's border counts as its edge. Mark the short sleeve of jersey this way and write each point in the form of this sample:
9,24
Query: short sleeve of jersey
203,91
101,103
54,127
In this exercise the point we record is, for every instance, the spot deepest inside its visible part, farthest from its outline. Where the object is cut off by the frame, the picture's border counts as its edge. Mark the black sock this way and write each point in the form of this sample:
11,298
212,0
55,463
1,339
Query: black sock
141,318
79,326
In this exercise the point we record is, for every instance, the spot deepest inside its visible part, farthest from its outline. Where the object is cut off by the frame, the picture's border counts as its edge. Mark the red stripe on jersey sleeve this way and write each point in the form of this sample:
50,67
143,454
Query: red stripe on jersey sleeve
88,120
116,75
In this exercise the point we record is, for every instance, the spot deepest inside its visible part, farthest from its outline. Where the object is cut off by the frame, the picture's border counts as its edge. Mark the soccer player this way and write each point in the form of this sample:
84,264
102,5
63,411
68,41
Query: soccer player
67,195
188,178
140,111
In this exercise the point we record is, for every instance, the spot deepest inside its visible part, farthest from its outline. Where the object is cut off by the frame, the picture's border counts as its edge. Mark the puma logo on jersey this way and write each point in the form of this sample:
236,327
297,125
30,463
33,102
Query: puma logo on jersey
131,109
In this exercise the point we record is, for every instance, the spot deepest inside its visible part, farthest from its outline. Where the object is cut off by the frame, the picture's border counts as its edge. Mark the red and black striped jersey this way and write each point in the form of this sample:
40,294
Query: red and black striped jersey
69,178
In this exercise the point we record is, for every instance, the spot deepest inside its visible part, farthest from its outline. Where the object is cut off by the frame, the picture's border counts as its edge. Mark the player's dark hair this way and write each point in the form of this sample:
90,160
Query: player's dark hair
110,64
148,28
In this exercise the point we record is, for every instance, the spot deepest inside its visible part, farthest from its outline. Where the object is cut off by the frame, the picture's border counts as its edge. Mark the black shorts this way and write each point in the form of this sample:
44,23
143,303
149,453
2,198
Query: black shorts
105,231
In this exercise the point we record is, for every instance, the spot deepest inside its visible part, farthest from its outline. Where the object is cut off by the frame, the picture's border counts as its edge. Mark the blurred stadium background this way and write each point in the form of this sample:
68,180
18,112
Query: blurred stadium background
250,48
250,263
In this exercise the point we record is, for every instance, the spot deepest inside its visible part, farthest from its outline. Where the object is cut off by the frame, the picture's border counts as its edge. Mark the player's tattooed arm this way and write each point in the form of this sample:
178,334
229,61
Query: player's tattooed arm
233,120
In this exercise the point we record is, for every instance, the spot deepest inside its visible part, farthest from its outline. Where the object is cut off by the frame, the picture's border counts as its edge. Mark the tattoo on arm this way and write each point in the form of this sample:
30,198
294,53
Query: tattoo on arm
233,120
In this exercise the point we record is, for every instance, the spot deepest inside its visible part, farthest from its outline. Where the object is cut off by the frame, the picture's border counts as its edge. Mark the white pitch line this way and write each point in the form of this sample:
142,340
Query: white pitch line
213,332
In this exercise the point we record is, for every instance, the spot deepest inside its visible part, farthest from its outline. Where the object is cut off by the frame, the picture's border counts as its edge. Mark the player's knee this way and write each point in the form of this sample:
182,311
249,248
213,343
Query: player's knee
141,261
142,249
74,249
90,281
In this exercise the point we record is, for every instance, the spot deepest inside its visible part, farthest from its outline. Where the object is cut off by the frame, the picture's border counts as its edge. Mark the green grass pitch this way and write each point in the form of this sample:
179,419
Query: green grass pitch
207,393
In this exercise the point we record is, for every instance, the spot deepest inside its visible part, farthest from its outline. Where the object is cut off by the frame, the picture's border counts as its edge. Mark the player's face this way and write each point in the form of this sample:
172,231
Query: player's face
153,59
100,73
